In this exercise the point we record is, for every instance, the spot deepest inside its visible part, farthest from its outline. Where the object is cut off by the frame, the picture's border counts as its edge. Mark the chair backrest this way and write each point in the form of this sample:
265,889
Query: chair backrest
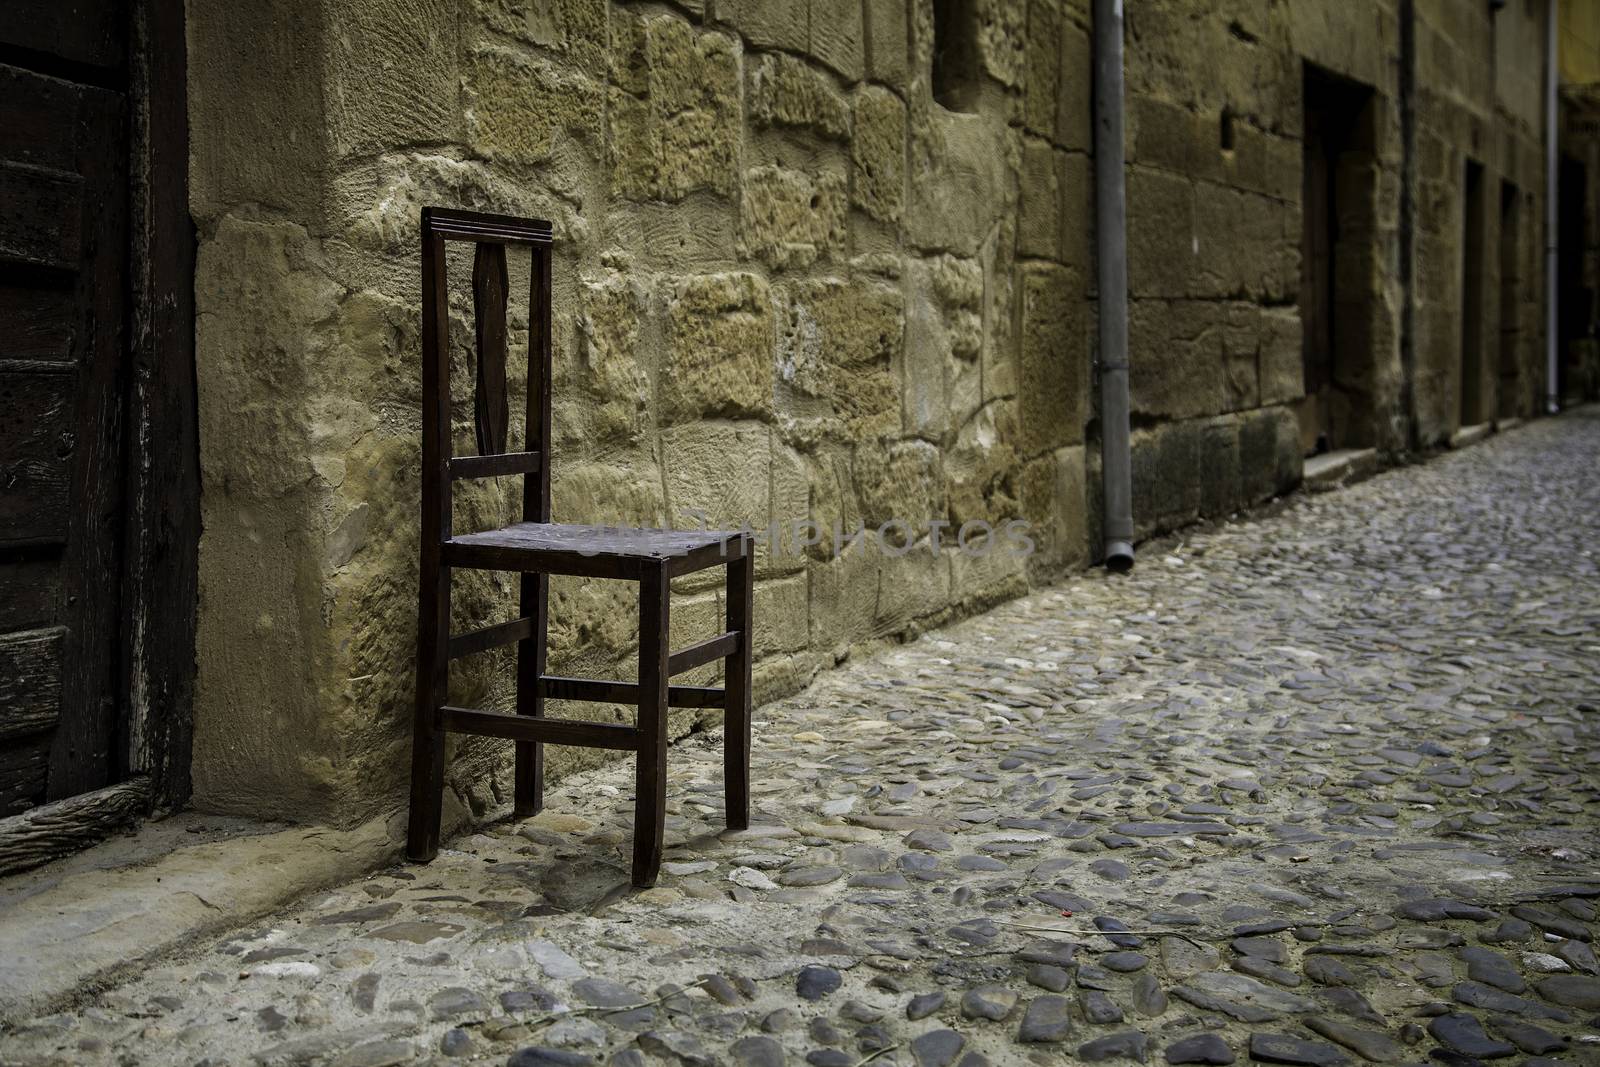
490,234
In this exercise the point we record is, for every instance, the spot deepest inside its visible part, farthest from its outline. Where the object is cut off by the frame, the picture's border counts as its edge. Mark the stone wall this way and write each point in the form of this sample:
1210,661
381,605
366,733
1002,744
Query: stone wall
789,284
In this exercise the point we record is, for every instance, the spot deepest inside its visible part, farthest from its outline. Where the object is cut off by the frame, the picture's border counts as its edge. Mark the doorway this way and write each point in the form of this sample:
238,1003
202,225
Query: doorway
99,481
1338,246
1575,303
1470,371
1509,400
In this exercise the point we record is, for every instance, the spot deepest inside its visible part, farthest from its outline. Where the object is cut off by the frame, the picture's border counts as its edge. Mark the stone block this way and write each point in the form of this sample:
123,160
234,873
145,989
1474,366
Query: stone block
575,27
1002,40
1246,331
878,154
844,599
1074,121
982,468
1162,245
392,73
961,181
717,361
791,505
836,36
520,110
1160,133
784,90
1175,358
840,344
783,24
1220,484
1041,93
789,218
1077,211
1055,509
1043,174
984,577
901,484
1270,456
603,395
255,80
1239,246
675,112
832,500
1054,367
911,586
993,322
782,615
1282,366
1166,476
888,43
927,348
622,490
718,475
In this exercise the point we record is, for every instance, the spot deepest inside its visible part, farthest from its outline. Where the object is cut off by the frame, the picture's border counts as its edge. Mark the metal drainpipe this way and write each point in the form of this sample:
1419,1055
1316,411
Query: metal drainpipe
1552,343
1111,256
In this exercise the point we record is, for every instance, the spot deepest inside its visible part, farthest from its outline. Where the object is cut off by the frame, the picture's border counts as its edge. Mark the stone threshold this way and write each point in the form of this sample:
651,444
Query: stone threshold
78,923
1471,435
1342,466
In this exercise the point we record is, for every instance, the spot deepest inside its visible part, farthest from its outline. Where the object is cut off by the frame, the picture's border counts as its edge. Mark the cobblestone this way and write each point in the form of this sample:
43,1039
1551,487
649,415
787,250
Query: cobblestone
1311,786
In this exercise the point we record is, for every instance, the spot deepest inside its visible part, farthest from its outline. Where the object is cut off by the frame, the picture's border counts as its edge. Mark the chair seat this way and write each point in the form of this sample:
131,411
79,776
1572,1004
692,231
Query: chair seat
600,551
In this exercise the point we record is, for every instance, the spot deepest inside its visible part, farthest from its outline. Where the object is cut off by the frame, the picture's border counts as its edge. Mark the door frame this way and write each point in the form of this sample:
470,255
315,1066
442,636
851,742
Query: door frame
162,542
160,468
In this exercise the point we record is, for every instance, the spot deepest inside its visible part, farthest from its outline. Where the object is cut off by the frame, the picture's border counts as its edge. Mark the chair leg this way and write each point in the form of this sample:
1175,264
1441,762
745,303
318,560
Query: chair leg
736,686
650,794
427,741
528,788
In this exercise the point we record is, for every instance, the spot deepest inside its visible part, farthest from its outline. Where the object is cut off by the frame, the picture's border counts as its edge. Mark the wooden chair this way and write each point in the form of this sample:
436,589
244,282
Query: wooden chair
536,548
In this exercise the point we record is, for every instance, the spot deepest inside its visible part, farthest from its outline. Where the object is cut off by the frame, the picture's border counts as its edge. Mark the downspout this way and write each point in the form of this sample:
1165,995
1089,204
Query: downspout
1552,343
1111,258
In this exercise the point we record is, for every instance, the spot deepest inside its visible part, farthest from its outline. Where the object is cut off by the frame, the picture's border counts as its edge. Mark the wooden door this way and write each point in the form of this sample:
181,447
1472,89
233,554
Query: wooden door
63,304
1316,283
1471,369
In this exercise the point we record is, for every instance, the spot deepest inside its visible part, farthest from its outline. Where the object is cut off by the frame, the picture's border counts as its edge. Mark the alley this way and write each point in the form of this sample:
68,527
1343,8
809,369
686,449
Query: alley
1312,787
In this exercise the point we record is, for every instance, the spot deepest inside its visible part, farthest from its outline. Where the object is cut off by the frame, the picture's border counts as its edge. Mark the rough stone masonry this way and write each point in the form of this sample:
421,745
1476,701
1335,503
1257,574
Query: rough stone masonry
804,271
1315,788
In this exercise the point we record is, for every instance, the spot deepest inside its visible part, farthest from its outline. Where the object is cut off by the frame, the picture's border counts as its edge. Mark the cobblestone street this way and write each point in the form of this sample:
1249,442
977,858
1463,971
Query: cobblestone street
1315,787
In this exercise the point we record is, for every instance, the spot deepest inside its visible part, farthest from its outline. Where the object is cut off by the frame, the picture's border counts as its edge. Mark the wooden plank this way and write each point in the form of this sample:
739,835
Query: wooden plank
24,773
50,831
495,466
493,557
92,701
595,690
160,591
41,214
741,583
36,324
547,731
701,652
90,32
37,119
30,682
37,440
457,224
29,587
488,637
490,289
650,769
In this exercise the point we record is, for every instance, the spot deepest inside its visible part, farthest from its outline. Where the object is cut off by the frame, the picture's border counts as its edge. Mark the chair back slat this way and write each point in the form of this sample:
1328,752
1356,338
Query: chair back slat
489,292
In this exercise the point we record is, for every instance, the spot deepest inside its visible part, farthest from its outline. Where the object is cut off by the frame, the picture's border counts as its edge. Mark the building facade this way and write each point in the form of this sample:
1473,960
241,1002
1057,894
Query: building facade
843,249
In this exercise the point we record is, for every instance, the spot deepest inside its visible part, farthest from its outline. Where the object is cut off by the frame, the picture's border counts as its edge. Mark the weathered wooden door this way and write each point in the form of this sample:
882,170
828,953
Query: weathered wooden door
63,339
1317,219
